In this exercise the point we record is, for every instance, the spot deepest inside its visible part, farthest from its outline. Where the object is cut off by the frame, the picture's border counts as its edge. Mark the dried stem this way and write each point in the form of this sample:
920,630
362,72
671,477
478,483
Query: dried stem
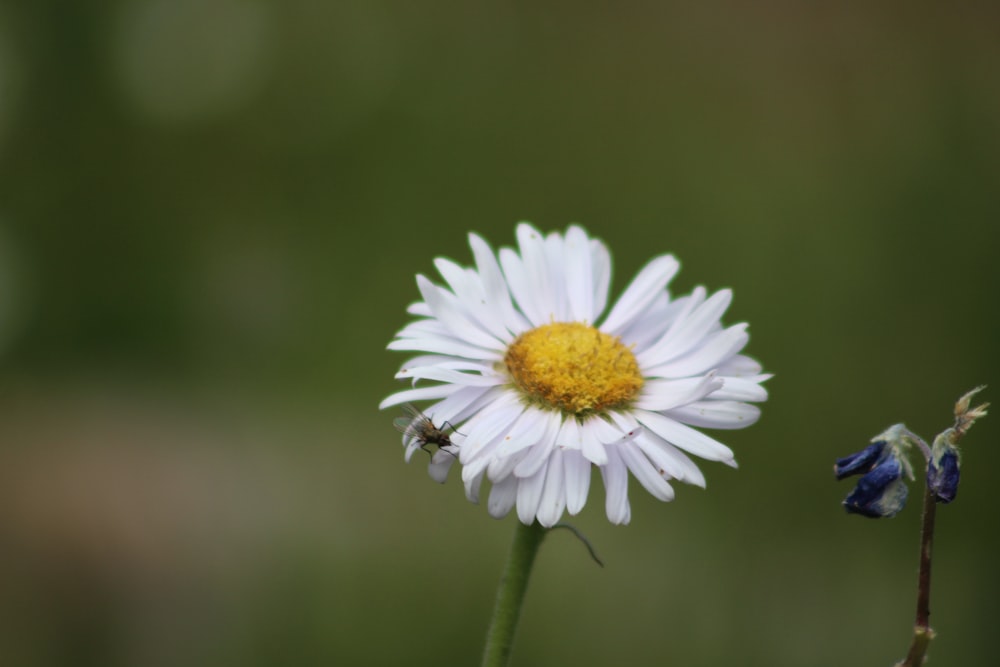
922,632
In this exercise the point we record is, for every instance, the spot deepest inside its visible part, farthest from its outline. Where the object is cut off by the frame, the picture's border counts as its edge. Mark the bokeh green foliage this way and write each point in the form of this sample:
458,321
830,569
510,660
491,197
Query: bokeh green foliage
210,217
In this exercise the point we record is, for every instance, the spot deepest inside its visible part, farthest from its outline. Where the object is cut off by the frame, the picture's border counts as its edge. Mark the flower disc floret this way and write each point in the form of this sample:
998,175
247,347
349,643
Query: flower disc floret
573,368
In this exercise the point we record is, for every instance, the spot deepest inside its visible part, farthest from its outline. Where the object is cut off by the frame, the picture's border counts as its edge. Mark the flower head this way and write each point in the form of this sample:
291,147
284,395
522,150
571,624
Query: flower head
944,468
944,464
540,392
881,491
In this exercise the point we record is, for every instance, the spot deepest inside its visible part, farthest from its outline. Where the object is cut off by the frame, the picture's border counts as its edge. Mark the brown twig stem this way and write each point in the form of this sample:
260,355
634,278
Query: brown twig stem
922,632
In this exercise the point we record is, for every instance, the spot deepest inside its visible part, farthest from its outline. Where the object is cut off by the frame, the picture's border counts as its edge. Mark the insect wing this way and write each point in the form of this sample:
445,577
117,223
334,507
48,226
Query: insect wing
407,423
414,426
403,424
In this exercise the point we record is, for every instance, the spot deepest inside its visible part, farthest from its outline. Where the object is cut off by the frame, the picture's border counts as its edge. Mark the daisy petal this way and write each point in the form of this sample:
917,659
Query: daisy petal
569,435
494,285
441,463
421,394
439,345
600,260
411,449
705,317
521,288
451,313
577,480
419,309
430,328
502,467
616,488
592,448
488,426
555,263
716,414
646,329
716,349
457,407
467,286
627,423
685,437
643,470
740,366
440,374
669,460
536,265
643,290
553,501
477,467
472,487
444,362
528,431
603,431
579,275
743,389
503,495
537,456
667,394
529,494
689,329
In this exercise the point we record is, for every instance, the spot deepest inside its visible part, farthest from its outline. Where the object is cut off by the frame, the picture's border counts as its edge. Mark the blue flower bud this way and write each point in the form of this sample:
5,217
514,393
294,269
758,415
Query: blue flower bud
943,469
881,492
859,462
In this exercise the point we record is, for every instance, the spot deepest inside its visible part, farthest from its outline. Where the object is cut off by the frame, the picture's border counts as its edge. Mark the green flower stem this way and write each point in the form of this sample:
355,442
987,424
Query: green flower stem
510,594
922,632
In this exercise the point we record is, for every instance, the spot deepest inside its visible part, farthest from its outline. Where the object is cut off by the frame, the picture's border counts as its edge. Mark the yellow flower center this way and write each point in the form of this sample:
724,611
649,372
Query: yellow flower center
574,368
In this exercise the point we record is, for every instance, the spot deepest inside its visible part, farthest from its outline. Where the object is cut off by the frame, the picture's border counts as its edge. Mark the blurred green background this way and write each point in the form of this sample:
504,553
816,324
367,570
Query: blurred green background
211,213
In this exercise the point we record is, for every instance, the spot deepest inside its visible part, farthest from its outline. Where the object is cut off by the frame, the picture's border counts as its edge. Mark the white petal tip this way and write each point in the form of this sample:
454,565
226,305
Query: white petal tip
441,462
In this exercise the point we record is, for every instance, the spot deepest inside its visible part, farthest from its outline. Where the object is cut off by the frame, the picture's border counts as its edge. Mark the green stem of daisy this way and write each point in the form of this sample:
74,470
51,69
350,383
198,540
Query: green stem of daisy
510,594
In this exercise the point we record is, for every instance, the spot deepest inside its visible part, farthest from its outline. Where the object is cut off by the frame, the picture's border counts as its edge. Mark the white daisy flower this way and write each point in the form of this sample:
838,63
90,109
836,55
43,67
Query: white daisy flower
535,391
